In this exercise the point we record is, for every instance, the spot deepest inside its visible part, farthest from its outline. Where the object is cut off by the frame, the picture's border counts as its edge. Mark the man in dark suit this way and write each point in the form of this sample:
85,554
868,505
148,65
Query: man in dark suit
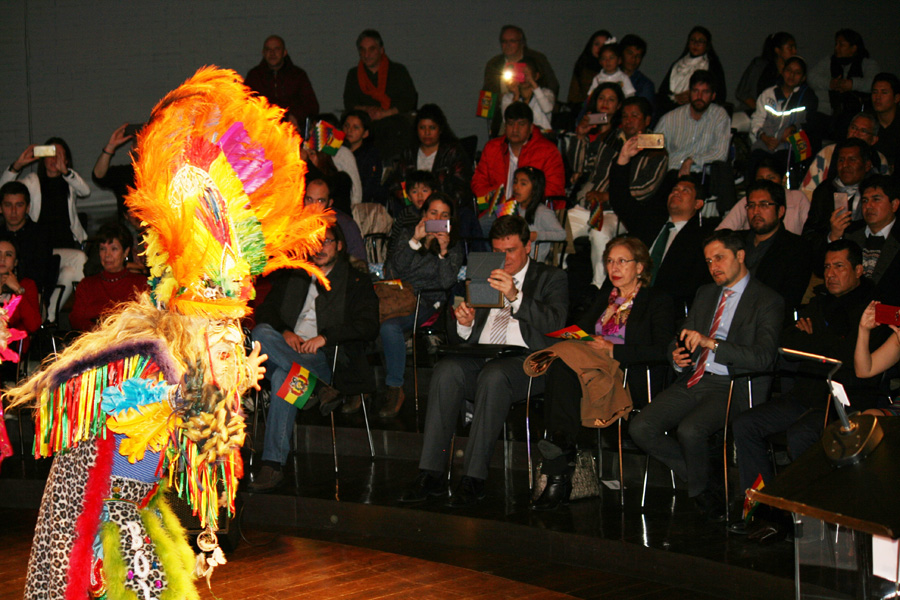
535,300
732,328
672,230
774,255
301,322
879,236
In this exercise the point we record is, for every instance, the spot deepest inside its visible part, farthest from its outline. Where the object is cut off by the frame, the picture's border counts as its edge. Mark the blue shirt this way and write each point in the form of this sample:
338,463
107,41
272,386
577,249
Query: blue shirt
725,324
643,87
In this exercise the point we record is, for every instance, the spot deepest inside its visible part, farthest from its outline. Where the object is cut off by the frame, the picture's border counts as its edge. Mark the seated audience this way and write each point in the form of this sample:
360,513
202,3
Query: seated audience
541,100
528,192
28,237
320,165
384,89
535,301
827,326
595,145
301,322
283,83
97,294
419,187
885,103
773,255
838,202
27,316
343,158
53,190
429,262
356,126
697,133
318,193
864,126
764,71
610,61
732,328
586,67
630,321
521,146
669,226
698,55
781,111
433,148
514,48
116,178
796,209
845,79
634,50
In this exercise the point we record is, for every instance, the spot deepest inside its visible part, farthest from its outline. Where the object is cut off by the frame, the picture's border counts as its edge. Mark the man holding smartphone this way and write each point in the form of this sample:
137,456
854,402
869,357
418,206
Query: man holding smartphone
535,301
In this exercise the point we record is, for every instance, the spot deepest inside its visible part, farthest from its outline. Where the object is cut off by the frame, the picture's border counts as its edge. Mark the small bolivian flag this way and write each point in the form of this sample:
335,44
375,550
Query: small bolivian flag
572,332
750,505
506,208
487,202
298,386
800,146
327,138
486,105
406,199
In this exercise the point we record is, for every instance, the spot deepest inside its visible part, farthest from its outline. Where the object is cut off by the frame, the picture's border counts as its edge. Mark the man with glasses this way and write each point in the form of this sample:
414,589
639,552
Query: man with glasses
774,255
513,48
864,126
318,193
300,322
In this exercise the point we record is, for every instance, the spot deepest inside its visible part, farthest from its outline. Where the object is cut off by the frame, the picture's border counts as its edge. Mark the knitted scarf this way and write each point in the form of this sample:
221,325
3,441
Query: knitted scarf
365,84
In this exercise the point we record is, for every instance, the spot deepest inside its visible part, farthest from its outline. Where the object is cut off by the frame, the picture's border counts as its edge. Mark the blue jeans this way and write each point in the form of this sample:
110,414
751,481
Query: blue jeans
280,422
393,340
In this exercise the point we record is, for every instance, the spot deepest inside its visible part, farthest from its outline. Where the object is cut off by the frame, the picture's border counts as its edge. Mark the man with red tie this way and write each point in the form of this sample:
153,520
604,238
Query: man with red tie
732,328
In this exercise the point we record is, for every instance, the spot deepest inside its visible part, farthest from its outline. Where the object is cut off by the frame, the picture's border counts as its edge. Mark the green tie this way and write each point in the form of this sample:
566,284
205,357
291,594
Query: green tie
659,249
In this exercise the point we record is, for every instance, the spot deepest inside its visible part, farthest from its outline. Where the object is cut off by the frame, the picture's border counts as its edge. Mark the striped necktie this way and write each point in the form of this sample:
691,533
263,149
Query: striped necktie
501,321
704,356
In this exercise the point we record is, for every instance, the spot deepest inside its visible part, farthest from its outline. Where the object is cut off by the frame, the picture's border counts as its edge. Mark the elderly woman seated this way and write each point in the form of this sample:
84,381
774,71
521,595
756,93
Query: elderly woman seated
629,320
97,294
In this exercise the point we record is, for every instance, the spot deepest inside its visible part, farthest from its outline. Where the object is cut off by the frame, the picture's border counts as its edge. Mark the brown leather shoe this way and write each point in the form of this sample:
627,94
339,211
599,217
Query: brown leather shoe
392,403
351,405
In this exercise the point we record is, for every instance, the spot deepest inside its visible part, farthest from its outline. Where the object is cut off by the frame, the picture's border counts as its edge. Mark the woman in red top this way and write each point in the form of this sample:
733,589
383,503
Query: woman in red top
28,314
96,294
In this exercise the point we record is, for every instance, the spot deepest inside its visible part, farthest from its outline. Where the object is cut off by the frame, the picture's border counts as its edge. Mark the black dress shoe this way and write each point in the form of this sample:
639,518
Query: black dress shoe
556,493
739,528
267,480
424,487
468,493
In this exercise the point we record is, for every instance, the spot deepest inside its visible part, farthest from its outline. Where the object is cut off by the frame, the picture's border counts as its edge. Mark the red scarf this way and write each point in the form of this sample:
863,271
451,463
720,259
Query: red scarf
365,84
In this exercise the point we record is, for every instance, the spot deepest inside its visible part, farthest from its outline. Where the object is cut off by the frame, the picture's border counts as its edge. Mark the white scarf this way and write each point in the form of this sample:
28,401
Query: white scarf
680,77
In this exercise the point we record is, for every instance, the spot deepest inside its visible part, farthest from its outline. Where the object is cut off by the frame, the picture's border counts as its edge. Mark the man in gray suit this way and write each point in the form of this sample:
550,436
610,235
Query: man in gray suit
535,303
732,328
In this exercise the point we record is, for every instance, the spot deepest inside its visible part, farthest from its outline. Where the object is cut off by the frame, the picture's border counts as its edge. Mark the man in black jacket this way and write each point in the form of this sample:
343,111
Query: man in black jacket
671,229
535,302
775,256
828,326
301,322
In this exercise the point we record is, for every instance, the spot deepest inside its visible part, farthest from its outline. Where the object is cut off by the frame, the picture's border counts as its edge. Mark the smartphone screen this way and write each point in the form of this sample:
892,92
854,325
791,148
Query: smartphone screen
885,314
841,200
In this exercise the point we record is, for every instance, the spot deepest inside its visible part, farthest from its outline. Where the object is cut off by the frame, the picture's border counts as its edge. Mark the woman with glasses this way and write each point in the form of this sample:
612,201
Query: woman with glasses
631,322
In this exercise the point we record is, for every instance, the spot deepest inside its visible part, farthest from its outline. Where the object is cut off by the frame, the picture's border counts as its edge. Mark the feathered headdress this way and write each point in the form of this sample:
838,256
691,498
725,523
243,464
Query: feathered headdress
219,183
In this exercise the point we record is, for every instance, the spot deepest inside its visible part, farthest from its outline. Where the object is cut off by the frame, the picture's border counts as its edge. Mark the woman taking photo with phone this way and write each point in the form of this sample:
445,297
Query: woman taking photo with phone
424,260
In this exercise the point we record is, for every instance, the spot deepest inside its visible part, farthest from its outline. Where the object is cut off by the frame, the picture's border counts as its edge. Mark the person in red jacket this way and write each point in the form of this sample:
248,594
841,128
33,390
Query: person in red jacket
28,314
96,294
521,146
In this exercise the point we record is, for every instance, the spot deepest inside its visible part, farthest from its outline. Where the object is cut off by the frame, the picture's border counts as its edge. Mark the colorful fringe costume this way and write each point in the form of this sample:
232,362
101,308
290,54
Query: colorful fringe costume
150,401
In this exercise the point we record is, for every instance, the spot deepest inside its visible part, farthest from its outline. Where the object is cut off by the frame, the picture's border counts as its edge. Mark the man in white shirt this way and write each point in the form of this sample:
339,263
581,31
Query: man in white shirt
535,301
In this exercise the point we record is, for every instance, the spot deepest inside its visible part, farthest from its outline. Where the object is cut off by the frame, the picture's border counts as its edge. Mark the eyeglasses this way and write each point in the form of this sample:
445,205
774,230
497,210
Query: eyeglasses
759,205
857,129
611,262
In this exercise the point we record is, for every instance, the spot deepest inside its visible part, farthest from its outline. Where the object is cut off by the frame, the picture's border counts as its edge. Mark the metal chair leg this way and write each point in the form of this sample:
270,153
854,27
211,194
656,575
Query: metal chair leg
450,466
621,471
725,446
362,400
334,451
528,434
415,351
646,473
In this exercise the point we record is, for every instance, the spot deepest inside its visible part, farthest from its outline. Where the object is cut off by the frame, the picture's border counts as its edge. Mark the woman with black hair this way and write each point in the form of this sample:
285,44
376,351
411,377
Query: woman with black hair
528,192
426,261
764,70
53,191
845,78
698,54
597,127
433,148
586,68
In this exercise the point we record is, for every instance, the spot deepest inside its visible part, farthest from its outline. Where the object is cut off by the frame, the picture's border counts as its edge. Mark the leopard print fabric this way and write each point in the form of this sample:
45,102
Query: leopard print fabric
55,531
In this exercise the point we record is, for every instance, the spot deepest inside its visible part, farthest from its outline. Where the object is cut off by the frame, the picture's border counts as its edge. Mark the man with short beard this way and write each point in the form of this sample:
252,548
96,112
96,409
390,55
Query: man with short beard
774,255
